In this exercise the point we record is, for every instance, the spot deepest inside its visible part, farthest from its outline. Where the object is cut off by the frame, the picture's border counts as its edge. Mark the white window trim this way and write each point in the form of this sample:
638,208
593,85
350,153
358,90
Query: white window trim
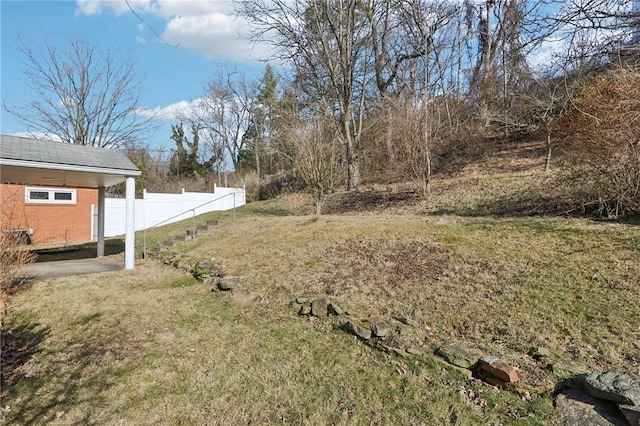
51,192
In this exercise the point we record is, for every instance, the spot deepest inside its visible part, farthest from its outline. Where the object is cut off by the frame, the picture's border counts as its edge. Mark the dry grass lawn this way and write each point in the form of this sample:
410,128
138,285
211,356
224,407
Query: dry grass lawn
154,346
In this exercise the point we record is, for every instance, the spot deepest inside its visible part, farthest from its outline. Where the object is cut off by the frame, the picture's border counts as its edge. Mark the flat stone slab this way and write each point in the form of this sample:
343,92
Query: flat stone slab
245,298
541,353
227,284
358,330
458,355
320,307
305,309
335,309
380,328
616,385
632,413
406,321
575,407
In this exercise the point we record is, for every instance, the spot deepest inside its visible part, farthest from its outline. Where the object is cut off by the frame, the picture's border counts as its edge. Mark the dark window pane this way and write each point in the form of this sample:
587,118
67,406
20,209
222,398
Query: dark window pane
38,195
62,196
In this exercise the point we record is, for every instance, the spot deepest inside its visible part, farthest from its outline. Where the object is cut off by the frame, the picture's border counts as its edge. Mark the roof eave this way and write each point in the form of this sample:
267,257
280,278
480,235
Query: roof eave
69,167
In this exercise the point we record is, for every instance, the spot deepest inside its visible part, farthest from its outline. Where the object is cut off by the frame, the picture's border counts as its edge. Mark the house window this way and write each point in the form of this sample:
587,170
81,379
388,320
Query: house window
50,195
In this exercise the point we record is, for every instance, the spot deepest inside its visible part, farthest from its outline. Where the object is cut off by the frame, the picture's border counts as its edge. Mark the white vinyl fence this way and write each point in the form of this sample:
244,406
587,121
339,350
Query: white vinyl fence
155,208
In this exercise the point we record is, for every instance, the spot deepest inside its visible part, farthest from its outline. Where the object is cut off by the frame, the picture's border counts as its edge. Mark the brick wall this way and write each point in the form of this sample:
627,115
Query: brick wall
51,223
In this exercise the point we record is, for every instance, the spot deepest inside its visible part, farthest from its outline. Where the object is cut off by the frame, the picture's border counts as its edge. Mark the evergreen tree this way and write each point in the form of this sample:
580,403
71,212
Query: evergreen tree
258,152
184,161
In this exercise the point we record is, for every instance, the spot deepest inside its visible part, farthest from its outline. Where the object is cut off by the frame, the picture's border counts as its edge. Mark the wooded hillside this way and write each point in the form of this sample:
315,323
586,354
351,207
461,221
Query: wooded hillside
382,92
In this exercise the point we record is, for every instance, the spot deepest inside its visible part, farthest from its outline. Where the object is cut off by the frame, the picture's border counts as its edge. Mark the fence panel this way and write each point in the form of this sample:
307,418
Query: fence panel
155,208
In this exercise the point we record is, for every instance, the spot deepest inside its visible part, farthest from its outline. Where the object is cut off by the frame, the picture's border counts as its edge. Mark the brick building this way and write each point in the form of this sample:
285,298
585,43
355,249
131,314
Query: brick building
48,214
48,177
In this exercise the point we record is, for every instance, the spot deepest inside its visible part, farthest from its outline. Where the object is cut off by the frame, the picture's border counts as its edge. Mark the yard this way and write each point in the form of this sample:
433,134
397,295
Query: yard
156,346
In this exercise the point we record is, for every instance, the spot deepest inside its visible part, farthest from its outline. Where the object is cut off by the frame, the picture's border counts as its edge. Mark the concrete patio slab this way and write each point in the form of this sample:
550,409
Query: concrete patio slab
66,268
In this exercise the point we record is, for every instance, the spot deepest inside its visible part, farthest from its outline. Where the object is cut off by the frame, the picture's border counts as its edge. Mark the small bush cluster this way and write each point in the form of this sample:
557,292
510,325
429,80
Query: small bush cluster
602,143
12,258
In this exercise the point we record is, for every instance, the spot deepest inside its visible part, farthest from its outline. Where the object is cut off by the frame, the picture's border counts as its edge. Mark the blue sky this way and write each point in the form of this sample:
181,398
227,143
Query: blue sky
207,35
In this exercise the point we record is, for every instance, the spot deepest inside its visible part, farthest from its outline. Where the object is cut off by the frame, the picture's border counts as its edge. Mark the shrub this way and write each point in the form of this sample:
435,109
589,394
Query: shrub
602,143
12,258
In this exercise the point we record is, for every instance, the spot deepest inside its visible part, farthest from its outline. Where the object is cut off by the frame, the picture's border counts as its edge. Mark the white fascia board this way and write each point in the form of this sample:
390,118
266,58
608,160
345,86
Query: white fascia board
68,167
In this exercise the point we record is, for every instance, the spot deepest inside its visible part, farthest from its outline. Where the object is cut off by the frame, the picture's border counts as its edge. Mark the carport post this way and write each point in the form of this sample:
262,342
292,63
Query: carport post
130,229
100,252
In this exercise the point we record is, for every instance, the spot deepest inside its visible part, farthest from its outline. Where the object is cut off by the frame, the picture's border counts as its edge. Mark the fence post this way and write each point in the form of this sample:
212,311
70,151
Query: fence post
234,206
144,223
193,226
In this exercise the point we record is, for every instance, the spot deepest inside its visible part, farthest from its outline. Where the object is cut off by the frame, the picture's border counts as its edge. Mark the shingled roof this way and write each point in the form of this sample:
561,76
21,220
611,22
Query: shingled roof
33,161
43,151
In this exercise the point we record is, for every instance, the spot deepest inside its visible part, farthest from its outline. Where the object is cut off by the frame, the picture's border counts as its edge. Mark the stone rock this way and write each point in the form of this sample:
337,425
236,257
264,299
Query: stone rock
305,309
228,284
302,300
498,369
335,309
380,329
213,281
575,407
616,385
209,266
468,374
632,413
459,356
358,330
205,270
320,307
407,321
245,298
541,353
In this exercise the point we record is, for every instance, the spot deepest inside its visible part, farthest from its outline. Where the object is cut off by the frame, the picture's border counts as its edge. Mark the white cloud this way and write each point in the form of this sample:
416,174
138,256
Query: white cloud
38,135
169,112
207,27
88,7
96,7
214,36
171,8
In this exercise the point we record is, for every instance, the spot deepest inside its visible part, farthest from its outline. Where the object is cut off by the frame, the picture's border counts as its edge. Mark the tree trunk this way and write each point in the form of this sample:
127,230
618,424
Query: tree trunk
353,169
257,153
547,163
426,174
318,203
388,139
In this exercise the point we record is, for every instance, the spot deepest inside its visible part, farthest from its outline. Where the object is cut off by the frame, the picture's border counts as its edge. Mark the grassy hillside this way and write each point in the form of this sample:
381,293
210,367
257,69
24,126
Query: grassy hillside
154,346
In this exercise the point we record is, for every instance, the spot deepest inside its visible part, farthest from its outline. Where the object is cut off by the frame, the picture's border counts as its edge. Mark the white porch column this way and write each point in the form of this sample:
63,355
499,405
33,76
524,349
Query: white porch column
130,229
100,251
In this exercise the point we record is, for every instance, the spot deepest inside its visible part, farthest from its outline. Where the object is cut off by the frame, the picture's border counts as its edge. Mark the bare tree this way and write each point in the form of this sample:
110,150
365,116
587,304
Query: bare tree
313,147
324,41
505,32
83,95
407,37
222,115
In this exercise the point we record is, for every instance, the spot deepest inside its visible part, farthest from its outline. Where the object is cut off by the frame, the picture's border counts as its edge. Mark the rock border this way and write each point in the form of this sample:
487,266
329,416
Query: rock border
616,388
614,393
